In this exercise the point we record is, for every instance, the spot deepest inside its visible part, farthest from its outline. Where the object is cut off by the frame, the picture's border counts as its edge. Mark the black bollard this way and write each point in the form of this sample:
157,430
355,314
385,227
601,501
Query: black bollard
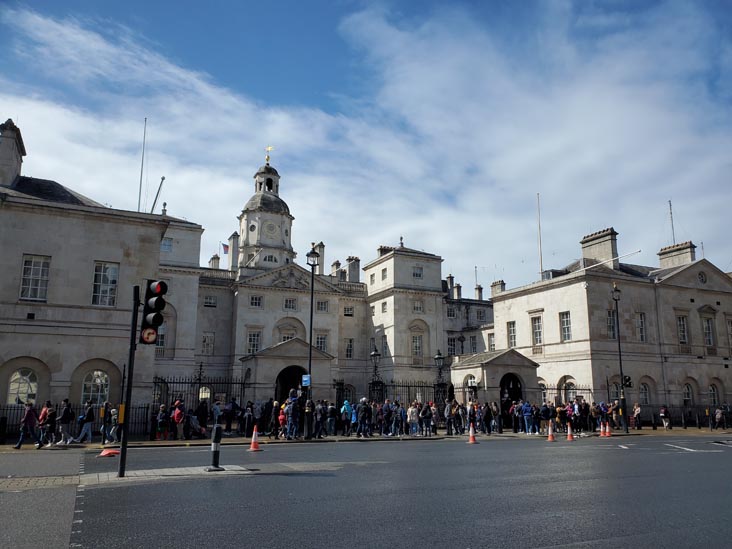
653,421
215,450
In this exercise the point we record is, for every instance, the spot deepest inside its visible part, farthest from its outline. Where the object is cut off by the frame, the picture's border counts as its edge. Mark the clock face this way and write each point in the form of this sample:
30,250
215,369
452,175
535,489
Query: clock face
148,335
271,229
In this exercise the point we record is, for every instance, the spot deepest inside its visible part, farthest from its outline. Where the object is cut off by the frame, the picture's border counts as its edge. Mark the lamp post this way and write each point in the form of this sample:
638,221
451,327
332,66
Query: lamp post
376,385
313,257
461,339
440,387
623,407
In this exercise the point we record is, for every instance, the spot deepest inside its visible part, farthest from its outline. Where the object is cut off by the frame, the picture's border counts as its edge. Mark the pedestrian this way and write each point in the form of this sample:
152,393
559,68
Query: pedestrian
332,417
50,425
346,411
216,412
115,425
28,424
665,417
87,422
637,416
64,423
364,414
163,420
179,418
426,415
202,413
274,424
106,423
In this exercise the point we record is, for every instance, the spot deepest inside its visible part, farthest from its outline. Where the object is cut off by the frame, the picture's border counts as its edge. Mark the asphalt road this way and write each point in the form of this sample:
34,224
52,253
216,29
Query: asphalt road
621,492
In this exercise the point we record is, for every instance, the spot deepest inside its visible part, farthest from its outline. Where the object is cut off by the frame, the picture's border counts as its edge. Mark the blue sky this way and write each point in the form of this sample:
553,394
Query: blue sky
439,123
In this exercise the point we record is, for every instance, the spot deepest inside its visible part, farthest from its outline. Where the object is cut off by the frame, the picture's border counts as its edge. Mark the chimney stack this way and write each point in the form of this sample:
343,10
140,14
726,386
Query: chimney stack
677,255
12,151
213,263
601,247
354,268
479,292
497,287
233,251
320,248
458,291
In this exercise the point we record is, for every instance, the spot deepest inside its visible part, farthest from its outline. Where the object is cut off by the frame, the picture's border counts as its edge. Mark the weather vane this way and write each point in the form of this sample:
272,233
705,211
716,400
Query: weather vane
268,149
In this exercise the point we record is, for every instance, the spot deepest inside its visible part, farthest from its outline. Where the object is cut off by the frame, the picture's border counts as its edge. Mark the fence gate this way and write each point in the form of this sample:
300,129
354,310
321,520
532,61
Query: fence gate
192,390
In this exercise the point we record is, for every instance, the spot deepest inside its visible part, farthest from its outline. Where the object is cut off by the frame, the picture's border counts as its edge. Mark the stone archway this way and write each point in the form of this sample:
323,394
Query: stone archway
289,378
511,391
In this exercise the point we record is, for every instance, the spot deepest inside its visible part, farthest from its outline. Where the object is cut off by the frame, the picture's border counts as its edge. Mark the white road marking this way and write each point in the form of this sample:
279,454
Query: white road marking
623,447
692,450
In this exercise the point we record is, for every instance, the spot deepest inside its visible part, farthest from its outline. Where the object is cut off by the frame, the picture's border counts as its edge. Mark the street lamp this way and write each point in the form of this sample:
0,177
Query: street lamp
313,257
439,362
376,387
461,339
623,407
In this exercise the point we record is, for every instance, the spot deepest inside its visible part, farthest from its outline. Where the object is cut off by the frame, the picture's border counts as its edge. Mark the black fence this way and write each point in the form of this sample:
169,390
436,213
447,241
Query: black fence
192,390
11,414
407,392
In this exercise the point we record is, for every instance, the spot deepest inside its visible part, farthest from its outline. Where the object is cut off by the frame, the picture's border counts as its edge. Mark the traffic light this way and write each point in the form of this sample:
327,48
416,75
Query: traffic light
627,382
152,317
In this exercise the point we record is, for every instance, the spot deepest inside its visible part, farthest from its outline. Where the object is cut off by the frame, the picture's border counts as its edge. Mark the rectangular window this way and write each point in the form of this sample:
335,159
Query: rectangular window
349,348
287,337
290,304
372,278
321,342
383,306
480,314
451,312
640,323
682,330
611,324
105,284
491,342
210,301
708,325
417,272
418,306
537,337
166,245
383,273
347,311
511,331
208,343
384,346
255,301
160,341
254,340
417,346
473,344
450,346
565,326
321,306
34,283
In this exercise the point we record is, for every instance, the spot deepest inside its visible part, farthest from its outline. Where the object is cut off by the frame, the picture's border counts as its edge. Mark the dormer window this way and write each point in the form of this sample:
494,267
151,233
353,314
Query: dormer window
270,259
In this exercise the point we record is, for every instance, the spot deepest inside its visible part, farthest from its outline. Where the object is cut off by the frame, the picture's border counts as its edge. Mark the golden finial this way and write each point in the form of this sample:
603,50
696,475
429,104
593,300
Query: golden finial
268,149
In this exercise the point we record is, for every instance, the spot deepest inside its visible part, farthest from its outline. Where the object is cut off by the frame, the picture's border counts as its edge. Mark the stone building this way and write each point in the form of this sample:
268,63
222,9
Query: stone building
243,329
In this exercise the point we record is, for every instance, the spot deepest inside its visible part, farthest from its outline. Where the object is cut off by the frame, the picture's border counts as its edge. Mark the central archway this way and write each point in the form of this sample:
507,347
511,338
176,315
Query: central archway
288,378
511,390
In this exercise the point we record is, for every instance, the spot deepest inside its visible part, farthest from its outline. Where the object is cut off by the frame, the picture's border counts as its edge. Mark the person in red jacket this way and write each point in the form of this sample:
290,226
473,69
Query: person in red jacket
28,426
179,418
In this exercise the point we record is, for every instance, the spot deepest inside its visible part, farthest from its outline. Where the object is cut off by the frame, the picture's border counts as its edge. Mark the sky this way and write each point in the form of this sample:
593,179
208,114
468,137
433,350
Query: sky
447,124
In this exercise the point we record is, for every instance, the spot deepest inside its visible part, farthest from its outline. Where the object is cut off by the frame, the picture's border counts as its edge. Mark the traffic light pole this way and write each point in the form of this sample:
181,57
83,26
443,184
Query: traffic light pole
128,388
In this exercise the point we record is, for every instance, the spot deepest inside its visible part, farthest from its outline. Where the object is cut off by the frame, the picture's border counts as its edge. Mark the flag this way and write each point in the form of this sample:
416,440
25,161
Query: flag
225,248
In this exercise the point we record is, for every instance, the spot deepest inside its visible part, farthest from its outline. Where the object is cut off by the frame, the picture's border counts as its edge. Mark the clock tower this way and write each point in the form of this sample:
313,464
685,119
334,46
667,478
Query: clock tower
265,226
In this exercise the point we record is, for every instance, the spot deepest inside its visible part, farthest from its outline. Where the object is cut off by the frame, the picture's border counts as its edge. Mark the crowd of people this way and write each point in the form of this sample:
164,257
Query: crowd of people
298,417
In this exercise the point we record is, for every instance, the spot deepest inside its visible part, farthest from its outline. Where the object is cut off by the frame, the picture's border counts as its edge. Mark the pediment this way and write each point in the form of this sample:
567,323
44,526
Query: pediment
701,274
293,348
289,276
496,359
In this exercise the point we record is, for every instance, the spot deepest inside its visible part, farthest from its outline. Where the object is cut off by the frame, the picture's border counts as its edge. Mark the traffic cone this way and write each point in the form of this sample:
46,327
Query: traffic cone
602,429
108,452
550,438
569,431
608,430
471,438
254,447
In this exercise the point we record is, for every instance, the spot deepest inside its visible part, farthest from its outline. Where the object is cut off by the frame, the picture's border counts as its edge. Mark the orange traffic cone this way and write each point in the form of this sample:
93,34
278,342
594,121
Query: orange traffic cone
108,452
254,447
602,429
471,439
569,431
550,438
608,430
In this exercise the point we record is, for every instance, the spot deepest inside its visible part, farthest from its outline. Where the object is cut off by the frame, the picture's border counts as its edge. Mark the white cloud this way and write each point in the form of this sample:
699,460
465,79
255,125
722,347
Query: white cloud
461,134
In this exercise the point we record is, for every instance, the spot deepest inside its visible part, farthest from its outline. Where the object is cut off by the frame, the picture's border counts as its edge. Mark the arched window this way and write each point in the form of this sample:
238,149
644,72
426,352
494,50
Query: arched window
644,393
713,395
204,393
615,391
23,386
542,386
95,387
688,395
570,392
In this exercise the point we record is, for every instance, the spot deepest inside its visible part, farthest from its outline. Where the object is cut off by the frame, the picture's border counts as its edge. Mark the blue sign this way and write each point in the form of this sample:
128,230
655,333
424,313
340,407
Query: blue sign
306,380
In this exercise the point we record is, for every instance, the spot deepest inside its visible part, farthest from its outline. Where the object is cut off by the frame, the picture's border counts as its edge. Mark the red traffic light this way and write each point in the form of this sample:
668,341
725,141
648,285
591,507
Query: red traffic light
158,287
